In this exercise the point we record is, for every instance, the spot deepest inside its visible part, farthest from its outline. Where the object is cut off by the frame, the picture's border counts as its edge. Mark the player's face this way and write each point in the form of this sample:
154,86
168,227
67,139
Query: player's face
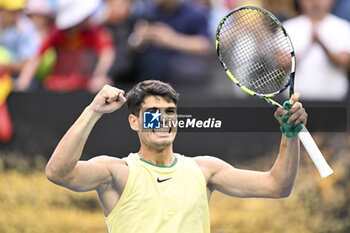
163,137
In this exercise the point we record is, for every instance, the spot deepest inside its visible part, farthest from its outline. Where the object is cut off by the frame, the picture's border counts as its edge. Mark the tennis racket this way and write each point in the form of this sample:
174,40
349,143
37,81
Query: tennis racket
257,54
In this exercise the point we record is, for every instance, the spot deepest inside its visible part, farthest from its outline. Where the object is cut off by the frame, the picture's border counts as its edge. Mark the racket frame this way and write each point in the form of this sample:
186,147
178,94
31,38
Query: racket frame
304,135
290,82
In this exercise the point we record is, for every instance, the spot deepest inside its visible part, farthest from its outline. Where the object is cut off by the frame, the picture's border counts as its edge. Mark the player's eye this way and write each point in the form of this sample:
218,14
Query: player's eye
171,111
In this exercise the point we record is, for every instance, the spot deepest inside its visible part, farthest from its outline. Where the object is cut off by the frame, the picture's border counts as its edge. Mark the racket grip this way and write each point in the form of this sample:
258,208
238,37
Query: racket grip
315,154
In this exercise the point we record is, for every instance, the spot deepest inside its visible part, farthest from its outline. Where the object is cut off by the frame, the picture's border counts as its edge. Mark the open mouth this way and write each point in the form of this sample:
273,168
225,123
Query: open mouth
162,130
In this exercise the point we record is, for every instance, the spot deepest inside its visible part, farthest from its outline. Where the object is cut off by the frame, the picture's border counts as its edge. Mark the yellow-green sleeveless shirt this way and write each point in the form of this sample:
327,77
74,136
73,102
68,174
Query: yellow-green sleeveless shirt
162,199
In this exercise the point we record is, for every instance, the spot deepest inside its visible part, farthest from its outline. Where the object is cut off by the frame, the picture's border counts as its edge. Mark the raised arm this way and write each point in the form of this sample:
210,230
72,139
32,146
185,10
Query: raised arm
64,167
276,183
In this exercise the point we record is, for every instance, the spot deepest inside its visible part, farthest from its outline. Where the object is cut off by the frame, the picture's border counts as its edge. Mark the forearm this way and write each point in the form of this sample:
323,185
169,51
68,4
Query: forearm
15,68
69,150
104,62
27,73
284,171
190,44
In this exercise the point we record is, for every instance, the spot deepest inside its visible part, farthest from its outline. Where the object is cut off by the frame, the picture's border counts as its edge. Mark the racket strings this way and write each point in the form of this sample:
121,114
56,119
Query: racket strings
270,81
256,51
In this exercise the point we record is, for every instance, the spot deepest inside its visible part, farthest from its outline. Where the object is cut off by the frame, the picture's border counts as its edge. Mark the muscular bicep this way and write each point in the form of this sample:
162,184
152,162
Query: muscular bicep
237,182
243,183
89,175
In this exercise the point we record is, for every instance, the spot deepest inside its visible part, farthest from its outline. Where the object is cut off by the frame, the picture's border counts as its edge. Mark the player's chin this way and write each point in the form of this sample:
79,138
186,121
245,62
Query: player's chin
162,142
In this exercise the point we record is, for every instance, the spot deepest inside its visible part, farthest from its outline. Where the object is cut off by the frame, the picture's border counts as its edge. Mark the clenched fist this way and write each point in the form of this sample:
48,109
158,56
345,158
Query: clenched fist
297,112
107,100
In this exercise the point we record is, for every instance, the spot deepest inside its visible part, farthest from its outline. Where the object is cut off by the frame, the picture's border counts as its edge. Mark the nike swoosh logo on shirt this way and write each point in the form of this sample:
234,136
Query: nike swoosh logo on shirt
160,181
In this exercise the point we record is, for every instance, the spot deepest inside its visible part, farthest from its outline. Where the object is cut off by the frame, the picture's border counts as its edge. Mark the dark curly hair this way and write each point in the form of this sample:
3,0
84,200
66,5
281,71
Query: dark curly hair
146,88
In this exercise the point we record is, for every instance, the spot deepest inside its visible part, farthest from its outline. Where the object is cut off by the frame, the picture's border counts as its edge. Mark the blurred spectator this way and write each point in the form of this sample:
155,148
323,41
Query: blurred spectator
78,44
19,41
321,43
171,37
17,35
42,15
283,10
6,128
216,11
119,22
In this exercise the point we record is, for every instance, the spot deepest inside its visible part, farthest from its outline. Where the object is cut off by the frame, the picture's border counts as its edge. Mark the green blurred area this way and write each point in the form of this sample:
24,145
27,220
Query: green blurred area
29,203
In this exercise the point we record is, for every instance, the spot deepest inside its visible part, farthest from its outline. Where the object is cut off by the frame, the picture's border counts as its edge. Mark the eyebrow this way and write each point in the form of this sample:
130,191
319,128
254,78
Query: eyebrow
151,109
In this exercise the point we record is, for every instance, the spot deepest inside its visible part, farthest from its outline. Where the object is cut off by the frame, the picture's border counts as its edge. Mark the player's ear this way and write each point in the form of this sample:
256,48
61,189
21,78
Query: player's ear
134,123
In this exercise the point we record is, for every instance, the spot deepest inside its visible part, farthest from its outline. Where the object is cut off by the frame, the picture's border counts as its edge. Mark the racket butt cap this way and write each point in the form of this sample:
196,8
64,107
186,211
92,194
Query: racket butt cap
326,172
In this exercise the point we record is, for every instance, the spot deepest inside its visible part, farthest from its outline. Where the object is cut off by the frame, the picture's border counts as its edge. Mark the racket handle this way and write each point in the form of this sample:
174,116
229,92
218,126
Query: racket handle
315,154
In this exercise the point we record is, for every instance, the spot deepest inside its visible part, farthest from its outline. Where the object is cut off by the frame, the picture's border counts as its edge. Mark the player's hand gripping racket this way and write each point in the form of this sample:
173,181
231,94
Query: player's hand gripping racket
258,56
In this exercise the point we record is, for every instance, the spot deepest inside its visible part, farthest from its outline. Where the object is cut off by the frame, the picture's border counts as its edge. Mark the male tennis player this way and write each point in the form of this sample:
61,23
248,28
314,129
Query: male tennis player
156,190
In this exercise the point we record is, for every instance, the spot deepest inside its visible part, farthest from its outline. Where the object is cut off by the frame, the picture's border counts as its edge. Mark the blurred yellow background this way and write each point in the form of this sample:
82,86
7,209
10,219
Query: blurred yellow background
29,203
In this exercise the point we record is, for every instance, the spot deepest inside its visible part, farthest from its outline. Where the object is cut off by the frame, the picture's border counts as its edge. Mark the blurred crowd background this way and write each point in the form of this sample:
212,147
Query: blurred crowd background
66,45
69,46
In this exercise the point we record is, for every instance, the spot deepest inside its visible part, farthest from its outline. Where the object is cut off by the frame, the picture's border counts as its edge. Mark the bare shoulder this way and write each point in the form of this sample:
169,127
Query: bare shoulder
108,161
116,166
209,162
210,165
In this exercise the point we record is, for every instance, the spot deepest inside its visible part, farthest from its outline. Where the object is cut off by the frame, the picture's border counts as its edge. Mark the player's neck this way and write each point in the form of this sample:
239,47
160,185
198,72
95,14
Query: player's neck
161,157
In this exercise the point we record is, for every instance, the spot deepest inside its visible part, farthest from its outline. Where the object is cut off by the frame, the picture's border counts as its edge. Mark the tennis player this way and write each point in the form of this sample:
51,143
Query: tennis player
156,190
